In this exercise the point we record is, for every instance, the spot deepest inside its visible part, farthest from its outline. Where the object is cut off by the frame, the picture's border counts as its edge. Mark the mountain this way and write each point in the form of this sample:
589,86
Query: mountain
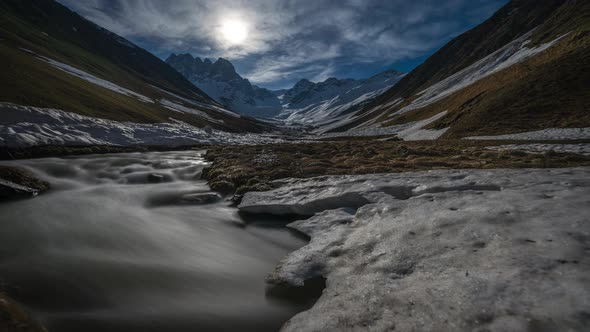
220,80
526,68
332,101
55,59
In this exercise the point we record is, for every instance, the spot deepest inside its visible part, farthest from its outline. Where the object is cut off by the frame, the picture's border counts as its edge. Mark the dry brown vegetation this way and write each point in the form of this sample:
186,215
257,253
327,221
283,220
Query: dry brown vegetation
547,91
13,318
251,168
22,177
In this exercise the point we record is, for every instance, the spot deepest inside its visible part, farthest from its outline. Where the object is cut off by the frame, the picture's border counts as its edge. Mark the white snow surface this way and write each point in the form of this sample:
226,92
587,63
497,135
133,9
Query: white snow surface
583,149
199,104
545,134
333,112
333,102
28,126
453,250
411,131
95,80
183,109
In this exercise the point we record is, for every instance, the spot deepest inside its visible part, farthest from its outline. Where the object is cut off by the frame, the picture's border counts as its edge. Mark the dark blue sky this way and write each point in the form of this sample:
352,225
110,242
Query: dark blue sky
275,43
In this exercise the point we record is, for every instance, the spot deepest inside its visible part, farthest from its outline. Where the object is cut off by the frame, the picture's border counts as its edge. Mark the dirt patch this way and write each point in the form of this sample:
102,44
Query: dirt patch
22,177
13,318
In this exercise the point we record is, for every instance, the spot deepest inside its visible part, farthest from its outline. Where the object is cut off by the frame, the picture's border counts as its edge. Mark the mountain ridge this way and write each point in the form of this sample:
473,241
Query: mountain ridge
220,80
536,49
60,60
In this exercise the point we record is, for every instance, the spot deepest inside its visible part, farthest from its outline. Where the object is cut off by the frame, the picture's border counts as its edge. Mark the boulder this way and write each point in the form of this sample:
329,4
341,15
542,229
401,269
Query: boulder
201,198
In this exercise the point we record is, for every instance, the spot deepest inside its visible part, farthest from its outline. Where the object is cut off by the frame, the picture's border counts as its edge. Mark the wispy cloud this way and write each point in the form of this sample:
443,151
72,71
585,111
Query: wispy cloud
291,39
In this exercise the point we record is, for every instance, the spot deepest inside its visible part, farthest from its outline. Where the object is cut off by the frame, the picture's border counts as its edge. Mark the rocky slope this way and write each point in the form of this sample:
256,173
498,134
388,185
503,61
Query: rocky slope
524,69
57,59
220,80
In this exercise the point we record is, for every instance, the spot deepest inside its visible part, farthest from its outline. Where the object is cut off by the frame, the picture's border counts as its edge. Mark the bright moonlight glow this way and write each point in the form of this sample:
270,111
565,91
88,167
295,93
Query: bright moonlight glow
234,31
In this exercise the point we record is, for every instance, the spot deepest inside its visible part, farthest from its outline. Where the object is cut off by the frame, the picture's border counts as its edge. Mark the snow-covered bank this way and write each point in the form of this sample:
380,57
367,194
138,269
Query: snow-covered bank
457,250
27,126
545,134
411,131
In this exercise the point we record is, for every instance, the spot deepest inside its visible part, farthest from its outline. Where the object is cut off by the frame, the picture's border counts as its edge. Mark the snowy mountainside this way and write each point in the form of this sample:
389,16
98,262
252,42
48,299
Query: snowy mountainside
521,70
60,60
333,100
220,81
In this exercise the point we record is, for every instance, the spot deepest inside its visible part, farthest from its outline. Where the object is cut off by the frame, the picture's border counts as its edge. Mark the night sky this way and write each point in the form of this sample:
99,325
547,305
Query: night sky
276,43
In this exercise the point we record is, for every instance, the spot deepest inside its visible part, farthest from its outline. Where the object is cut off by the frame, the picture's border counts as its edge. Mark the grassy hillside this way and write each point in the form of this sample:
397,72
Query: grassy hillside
547,90
33,28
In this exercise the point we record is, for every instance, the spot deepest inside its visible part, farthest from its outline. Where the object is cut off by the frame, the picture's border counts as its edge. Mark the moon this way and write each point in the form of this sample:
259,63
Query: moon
234,31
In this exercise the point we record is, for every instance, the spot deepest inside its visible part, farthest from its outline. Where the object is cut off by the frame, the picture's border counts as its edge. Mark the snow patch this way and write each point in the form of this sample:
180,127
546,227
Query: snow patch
545,134
94,80
29,126
457,250
583,149
411,131
199,104
183,109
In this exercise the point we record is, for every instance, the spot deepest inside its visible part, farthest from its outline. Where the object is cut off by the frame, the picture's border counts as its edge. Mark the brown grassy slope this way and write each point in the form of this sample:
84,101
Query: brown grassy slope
13,318
549,90
22,177
250,168
520,100
64,33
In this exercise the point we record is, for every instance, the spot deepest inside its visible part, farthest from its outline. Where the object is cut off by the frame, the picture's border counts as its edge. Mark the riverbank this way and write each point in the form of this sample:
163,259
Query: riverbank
446,250
353,213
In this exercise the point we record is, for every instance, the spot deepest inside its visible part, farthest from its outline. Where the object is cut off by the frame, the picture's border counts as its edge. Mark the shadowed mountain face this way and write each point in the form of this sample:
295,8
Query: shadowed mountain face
520,70
60,60
220,80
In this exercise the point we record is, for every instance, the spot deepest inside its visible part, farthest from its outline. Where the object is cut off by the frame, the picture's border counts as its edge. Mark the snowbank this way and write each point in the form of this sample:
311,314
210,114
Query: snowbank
27,126
461,250
545,134
411,131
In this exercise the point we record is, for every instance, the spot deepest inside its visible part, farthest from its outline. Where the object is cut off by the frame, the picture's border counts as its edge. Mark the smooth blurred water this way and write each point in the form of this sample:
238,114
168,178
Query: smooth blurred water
106,250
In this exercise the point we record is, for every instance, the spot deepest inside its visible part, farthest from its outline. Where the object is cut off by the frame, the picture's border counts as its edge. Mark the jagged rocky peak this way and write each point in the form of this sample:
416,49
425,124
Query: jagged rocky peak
192,67
220,80
303,82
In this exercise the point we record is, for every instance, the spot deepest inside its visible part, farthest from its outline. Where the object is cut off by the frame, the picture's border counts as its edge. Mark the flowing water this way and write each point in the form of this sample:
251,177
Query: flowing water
107,249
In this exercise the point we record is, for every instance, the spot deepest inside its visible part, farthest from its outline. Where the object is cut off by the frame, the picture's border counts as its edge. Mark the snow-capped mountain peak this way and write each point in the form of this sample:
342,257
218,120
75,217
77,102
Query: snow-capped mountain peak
220,80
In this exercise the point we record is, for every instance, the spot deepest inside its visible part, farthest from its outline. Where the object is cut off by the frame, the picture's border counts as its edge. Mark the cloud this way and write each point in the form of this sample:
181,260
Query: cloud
290,39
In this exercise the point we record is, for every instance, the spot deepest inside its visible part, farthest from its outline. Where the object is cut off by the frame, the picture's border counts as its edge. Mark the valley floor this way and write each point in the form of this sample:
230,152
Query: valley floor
449,235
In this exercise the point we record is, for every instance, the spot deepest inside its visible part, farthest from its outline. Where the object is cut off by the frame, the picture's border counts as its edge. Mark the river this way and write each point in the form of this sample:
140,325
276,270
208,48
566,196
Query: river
114,247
